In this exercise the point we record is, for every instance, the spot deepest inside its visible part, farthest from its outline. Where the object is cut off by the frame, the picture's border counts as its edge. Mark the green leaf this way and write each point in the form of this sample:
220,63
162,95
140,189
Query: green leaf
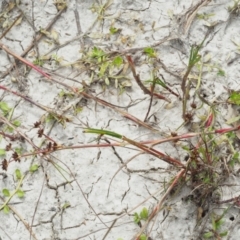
117,61
234,98
20,193
143,237
5,108
6,209
214,225
208,235
66,205
107,82
34,168
2,152
221,73
149,52
219,223
103,69
16,123
144,214
113,30
103,132
97,53
136,218
38,62
18,174
6,192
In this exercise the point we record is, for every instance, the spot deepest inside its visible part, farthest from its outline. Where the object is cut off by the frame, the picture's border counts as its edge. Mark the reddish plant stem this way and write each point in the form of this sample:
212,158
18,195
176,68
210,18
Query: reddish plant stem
139,82
25,98
160,203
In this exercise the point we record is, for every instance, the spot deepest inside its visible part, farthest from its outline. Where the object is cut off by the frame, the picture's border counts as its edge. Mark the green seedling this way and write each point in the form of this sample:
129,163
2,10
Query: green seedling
234,98
98,54
215,232
142,216
194,58
150,52
114,30
57,59
108,69
38,62
100,9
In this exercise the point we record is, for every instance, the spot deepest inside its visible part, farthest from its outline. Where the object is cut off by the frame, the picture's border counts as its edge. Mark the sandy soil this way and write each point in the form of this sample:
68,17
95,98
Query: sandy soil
75,193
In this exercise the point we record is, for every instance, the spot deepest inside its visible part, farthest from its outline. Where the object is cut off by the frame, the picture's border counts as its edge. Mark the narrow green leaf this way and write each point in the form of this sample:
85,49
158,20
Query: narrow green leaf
6,192
103,132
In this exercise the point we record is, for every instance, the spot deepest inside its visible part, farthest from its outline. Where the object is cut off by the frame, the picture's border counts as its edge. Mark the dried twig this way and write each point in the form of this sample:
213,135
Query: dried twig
38,37
191,14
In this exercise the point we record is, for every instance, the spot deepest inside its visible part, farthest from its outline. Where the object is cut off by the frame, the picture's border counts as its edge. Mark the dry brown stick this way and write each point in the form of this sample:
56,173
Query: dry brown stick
14,22
191,14
79,29
151,99
21,219
109,229
159,205
35,210
37,39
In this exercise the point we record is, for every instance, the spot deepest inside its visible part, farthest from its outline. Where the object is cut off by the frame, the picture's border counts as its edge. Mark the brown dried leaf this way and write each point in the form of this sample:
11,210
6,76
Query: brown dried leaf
4,165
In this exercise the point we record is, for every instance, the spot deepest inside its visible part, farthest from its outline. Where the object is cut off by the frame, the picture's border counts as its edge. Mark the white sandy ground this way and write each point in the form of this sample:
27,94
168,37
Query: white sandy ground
142,24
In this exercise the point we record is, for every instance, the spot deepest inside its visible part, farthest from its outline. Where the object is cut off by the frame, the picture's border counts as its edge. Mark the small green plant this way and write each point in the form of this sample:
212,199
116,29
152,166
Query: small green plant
142,216
38,62
215,232
114,30
150,52
234,98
